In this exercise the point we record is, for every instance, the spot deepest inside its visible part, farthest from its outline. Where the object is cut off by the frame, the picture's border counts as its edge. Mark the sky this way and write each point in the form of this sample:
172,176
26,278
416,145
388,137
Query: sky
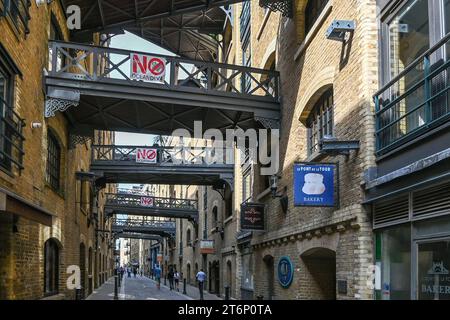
129,41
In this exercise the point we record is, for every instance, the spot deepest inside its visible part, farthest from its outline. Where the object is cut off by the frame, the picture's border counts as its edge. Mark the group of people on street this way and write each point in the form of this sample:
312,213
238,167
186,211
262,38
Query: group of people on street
174,278
129,270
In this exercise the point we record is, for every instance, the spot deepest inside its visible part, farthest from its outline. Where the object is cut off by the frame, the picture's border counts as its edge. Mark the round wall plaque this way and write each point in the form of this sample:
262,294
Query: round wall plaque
285,272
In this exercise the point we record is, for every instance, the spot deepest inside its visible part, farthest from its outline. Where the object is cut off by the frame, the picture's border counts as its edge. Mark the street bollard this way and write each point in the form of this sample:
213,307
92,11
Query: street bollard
165,280
78,294
259,297
227,292
184,286
116,291
120,280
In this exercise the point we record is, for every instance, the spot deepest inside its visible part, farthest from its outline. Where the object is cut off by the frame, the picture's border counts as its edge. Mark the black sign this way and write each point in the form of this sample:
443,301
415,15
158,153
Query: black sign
252,217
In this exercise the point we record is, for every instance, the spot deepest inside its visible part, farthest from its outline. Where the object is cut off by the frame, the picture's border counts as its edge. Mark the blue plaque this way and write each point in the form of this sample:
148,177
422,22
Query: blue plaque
285,272
314,185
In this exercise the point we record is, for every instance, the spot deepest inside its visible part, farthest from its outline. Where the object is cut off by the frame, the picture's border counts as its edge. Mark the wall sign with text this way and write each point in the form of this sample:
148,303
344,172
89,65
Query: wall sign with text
314,185
252,217
147,68
144,155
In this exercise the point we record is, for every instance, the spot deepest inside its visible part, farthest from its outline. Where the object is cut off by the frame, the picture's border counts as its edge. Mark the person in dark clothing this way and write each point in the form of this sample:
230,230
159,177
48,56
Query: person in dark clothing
170,276
135,271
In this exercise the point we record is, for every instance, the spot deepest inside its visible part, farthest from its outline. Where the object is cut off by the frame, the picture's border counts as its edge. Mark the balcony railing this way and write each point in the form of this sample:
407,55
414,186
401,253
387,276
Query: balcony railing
11,138
415,101
180,73
165,155
17,11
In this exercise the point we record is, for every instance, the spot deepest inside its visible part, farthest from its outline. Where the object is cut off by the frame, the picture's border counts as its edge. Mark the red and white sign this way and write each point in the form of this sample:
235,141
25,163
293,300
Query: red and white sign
207,247
146,155
147,201
147,68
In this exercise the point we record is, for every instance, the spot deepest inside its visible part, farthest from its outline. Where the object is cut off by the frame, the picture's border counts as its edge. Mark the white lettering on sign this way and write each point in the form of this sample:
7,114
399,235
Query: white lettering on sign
147,68
146,155
147,201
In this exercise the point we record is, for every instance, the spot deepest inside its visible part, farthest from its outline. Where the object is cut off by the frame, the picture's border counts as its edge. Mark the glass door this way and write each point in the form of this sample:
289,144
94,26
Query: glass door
433,269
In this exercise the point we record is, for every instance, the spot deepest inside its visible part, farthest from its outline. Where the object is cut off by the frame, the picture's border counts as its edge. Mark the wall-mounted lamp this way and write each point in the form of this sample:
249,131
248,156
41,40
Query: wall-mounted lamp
36,125
42,2
284,199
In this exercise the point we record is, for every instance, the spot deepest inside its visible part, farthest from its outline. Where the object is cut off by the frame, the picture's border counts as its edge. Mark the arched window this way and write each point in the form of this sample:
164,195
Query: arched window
51,267
215,215
320,122
188,238
312,12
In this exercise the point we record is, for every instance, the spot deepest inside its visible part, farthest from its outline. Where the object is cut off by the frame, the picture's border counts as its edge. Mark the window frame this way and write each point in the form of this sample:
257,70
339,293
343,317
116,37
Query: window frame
57,158
323,113
312,17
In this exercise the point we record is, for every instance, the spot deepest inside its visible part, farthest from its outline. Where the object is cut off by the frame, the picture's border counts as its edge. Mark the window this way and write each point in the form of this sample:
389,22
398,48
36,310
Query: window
55,34
17,12
320,121
312,12
215,215
51,267
11,138
53,162
188,238
416,97
245,43
247,186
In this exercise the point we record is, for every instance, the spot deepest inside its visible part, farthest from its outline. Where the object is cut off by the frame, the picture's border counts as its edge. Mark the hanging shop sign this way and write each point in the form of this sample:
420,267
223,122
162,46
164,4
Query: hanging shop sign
144,155
147,68
314,185
207,247
252,217
147,201
285,272
159,257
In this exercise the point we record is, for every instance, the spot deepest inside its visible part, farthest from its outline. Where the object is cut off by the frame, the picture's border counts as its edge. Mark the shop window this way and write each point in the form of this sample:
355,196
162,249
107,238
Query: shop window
51,267
394,247
320,122
53,173
312,12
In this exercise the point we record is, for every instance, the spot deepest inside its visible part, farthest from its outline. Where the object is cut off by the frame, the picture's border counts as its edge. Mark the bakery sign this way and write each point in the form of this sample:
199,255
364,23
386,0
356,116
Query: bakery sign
314,185
252,217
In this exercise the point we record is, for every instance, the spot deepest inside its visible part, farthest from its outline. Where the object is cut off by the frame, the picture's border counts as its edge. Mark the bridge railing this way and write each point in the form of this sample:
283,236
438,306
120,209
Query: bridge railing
145,222
101,64
163,155
146,201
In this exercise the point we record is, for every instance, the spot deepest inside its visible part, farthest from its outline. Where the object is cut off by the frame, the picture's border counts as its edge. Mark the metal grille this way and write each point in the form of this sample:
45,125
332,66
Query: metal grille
53,162
283,6
433,201
391,212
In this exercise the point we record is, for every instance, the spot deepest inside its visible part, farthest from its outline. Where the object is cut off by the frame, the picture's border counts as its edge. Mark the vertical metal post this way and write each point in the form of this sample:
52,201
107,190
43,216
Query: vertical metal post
184,286
227,292
116,291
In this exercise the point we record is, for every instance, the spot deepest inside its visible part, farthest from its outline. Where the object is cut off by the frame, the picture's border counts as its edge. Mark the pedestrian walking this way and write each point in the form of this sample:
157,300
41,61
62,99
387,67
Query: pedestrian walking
129,272
201,277
135,271
176,276
170,276
157,272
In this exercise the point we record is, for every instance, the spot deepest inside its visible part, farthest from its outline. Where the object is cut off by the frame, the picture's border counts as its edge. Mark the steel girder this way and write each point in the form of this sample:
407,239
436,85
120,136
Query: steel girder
173,166
139,236
104,97
144,225
149,206
181,26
